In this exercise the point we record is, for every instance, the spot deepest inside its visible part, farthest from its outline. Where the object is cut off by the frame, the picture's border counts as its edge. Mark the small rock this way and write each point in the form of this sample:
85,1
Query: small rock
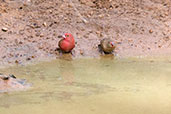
45,24
5,77
12,76
81,52
37,34
50,11
119,42
99,34
4,29
21,7
101,16
130,40
41,35
69,5
16,61
20,42
4,57
28,59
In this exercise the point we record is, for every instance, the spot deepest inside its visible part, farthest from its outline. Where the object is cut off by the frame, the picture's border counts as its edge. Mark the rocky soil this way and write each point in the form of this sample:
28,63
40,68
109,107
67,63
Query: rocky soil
29,29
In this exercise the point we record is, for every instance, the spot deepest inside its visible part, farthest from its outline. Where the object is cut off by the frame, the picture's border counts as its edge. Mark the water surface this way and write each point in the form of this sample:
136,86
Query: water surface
92,86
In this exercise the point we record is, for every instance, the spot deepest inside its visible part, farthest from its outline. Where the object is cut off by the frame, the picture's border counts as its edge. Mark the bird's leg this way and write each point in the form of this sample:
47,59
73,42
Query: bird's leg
73,53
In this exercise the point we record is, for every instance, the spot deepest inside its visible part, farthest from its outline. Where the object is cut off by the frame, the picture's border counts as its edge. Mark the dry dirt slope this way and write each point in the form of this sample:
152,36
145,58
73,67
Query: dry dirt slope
30,28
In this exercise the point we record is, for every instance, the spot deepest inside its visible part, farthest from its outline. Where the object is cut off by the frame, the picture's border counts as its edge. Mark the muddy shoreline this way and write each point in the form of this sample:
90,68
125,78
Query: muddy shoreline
30,28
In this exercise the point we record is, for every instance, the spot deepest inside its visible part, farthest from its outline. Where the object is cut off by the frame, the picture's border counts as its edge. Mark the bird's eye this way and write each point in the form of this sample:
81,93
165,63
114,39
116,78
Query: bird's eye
67,35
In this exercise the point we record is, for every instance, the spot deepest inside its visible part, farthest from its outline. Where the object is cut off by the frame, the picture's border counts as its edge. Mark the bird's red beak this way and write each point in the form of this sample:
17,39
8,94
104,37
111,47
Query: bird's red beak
112,43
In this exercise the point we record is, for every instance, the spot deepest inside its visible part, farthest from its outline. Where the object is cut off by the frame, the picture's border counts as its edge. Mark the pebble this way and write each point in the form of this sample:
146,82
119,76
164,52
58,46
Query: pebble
119,42
5,78
50,11
28,59
4,29
45,24
41,35
150,31
81,52
16,61
20,42
159,46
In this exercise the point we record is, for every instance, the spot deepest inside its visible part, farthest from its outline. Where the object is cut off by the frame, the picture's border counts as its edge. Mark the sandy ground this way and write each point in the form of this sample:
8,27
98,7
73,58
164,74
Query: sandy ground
30,28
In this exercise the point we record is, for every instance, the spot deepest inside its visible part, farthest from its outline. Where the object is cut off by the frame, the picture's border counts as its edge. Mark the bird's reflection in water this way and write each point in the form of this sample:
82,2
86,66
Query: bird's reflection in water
106,60
107,57
66,69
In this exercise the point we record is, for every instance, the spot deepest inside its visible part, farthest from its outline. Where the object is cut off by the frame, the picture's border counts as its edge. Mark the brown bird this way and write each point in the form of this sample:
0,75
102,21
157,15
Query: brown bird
107,46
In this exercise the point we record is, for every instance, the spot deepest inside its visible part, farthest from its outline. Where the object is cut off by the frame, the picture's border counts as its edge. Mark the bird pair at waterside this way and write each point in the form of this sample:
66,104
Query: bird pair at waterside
67,43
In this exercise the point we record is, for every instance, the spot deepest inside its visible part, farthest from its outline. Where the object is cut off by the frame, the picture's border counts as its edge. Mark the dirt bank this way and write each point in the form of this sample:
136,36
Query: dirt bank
30,28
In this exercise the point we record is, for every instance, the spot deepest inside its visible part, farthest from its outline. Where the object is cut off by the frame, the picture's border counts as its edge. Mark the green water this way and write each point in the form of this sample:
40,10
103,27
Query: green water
92,86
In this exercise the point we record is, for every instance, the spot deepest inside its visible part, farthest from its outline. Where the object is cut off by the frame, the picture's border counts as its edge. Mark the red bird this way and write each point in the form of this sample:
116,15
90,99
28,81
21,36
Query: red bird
67,43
